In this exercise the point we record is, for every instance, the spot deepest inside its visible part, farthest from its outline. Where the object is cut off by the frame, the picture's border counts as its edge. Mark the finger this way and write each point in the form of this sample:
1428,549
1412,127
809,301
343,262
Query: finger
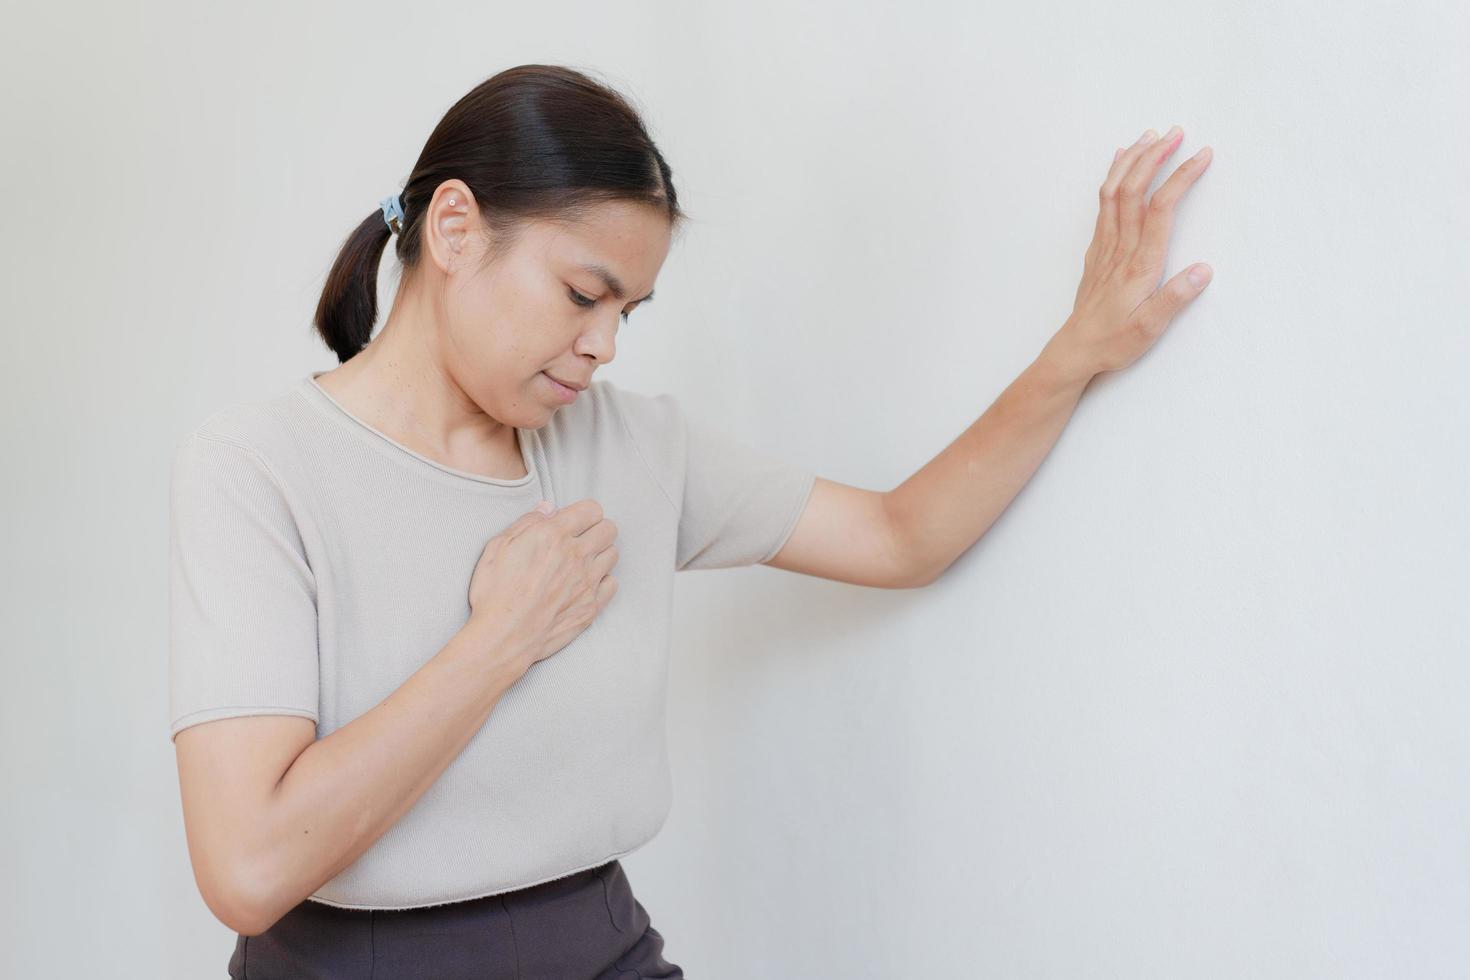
581,515
530,517
1098,243
603,561
1130,197
606,589
1176,293
1106,232
1158,222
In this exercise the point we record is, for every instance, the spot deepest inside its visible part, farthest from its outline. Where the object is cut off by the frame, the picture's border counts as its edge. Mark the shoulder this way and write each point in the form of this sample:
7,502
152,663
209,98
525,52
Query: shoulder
255,433
252,422
608,413
648,430
652,421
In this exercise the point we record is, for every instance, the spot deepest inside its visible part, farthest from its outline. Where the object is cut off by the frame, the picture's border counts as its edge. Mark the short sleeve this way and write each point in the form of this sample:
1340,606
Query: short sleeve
242,597
737,503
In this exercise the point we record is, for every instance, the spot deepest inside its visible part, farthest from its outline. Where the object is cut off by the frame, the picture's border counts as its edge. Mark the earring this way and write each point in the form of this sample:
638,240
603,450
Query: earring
451,202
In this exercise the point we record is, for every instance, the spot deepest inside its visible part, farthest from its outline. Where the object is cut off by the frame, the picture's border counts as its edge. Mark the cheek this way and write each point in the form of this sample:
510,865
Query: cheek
482,325
509,332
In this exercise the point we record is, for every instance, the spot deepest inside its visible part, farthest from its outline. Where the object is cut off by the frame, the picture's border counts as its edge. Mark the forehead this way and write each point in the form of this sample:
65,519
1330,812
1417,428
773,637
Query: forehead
628,242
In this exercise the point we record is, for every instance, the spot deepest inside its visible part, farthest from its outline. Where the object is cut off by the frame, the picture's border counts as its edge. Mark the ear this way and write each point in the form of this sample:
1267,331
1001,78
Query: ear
447,224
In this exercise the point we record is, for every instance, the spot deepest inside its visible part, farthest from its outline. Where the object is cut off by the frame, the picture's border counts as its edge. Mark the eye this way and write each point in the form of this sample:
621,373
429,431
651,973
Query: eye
586,301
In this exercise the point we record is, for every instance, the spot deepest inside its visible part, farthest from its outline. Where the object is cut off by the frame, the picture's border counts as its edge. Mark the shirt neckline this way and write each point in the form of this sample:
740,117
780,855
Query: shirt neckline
320,397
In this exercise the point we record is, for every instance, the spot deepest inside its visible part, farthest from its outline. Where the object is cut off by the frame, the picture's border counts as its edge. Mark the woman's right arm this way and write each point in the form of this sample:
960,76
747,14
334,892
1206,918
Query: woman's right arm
271,813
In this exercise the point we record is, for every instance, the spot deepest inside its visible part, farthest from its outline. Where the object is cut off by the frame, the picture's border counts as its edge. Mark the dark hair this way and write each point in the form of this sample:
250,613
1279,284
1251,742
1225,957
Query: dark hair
532,142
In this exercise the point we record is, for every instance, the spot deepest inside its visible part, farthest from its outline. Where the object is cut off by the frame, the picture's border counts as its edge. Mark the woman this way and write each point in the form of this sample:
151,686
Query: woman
418,719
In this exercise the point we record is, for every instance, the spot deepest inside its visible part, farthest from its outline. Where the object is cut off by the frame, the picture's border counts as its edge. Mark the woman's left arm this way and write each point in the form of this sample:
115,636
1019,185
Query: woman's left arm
904,538
908,536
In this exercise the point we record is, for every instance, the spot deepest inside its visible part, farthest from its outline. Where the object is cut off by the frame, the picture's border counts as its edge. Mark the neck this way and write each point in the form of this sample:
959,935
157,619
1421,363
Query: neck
400,385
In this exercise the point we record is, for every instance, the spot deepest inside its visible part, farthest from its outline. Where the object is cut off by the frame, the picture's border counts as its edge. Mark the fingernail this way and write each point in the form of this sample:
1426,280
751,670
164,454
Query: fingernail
1173,131
1148,137
1199,275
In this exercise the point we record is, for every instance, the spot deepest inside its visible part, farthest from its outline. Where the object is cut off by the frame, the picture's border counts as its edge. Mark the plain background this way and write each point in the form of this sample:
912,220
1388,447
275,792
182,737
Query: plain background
1194,707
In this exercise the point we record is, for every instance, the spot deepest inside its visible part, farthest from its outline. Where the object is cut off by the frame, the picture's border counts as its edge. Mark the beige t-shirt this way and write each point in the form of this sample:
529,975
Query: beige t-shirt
315,564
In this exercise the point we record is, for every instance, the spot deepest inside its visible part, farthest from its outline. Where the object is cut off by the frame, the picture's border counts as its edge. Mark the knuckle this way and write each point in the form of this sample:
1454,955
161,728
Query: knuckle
1138,266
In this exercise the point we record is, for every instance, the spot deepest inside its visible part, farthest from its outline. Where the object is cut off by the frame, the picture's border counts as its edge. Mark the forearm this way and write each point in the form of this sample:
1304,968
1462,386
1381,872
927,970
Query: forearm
954,498
344,791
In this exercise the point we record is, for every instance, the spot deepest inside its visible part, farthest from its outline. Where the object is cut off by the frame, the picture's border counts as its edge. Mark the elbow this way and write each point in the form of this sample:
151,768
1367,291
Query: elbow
905,566
249,914
918,578
926,575
252,926
232,910
240,903
243,922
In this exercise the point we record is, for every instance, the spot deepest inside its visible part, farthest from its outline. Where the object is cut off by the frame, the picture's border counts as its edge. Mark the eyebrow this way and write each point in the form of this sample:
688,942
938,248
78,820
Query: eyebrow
612,281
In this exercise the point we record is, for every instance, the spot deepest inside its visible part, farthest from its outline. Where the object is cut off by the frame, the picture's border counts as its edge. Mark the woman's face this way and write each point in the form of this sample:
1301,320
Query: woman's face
540,309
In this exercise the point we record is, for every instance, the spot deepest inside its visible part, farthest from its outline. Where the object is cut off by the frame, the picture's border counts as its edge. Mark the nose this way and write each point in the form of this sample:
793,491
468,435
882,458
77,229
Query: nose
600,341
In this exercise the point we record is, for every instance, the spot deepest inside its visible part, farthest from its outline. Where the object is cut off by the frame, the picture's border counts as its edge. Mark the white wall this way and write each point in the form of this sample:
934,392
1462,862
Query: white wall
1194,707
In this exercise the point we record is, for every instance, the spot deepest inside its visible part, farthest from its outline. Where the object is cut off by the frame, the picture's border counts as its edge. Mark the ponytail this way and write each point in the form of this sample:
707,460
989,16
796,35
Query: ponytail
348,307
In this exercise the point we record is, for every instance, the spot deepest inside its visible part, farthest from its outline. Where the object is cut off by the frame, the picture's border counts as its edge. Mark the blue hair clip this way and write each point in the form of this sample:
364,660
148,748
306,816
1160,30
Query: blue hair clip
392,213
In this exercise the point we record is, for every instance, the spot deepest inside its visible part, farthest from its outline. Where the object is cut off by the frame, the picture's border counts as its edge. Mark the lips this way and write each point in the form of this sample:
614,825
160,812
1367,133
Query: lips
576,387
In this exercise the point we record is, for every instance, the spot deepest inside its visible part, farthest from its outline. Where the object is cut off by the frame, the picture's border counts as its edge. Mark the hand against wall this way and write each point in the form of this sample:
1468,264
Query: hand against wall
1120,307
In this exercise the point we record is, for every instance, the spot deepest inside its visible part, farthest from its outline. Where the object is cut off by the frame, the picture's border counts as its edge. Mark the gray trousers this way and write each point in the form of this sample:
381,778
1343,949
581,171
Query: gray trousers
586,926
